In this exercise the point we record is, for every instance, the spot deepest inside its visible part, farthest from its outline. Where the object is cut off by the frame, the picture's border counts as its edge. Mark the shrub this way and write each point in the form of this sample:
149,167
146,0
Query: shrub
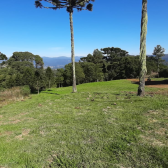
163,73
25,90
1,89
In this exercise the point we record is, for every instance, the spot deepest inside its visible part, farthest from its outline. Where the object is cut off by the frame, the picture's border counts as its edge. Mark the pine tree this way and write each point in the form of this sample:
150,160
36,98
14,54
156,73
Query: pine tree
49,76
2,57
18,80
158,52
28,77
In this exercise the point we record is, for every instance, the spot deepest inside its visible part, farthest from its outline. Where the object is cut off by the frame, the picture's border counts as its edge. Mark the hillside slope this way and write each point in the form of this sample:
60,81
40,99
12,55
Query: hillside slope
104,124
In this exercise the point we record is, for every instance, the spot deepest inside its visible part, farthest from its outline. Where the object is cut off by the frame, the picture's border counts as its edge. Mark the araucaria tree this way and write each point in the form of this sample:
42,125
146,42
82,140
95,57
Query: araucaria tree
69,5
2,57
143,69
158,52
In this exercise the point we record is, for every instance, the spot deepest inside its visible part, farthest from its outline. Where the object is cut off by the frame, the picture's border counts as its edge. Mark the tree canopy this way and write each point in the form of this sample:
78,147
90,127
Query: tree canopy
68,4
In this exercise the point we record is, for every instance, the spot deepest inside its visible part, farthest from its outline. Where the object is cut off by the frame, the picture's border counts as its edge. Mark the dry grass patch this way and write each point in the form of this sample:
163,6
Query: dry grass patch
11,95
111,121
151,141
6,133
156,135
153,112
25,132
161,131
159,92
121,166
152,120
15,121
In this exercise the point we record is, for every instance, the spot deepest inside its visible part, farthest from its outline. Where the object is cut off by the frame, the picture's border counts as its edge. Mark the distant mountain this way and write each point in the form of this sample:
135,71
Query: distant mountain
165,57
58,62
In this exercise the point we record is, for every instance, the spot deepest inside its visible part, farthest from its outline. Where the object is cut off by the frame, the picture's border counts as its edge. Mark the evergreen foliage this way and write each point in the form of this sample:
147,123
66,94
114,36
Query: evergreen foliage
49,76
21,69
25,90
68,74
24,68
158,52
59,77
2,58
28,77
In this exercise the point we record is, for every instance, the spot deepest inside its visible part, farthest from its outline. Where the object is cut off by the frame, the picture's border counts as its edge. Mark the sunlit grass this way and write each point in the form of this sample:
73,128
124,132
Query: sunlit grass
104,124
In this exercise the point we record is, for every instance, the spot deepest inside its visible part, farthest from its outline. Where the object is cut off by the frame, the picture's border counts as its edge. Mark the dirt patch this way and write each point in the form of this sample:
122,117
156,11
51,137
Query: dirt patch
15,121
29,119
19,137
42,132
151,120
153,112
1,116
152,141
18,116
22,114
25,132
121,166
8,132
161,131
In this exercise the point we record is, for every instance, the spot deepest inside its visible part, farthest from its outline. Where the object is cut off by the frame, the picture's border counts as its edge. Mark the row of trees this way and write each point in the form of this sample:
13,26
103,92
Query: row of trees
24,68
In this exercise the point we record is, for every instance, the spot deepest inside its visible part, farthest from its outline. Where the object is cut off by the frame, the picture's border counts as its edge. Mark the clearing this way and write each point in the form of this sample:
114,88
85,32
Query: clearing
103,125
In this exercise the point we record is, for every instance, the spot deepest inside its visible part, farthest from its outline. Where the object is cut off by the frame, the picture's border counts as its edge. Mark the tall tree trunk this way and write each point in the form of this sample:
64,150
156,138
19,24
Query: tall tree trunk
49,84
72,53
158,67
143,70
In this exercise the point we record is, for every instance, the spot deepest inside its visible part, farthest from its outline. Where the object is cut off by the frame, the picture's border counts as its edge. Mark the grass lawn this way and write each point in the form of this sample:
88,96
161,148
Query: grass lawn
104,125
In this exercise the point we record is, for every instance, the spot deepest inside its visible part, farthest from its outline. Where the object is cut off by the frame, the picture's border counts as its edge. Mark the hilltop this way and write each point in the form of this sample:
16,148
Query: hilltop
105,125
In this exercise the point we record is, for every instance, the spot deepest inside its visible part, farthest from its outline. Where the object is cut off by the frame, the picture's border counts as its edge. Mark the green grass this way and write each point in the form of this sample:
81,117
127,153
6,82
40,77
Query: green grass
103,125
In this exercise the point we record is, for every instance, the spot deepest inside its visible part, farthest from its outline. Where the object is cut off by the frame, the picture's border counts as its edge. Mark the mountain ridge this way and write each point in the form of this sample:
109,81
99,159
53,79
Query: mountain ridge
58,62
61,61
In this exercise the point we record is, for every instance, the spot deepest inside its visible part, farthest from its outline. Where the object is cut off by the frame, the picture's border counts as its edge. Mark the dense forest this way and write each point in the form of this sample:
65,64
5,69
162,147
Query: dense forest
25,68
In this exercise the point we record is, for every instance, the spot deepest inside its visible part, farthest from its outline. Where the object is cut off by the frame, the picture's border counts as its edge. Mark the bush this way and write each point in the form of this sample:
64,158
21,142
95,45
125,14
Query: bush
1,89
25,90
163,73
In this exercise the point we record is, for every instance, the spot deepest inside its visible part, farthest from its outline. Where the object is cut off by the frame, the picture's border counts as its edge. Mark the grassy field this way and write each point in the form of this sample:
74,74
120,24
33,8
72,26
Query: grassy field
104,125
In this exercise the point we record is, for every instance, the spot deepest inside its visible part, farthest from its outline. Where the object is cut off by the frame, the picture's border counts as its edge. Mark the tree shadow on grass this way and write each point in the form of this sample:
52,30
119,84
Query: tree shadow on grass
51,93
44,91
163,82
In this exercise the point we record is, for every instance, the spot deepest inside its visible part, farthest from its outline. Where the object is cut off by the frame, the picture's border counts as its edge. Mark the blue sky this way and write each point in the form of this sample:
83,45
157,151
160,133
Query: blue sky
112,23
